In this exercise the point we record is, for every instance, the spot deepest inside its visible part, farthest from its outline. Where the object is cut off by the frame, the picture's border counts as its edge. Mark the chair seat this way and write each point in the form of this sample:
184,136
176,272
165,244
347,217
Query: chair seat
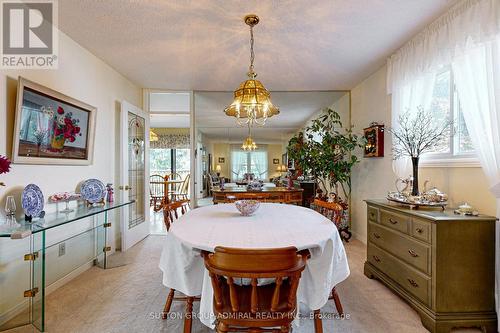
264,317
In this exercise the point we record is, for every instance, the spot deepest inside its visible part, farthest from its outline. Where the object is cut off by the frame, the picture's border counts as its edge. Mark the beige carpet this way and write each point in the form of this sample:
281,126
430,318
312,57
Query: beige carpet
130,299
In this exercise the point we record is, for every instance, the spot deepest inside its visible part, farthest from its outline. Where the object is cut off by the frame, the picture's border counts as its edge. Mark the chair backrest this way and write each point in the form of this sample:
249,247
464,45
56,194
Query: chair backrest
157,189
285,265
185,185
330,210
214,180
170,211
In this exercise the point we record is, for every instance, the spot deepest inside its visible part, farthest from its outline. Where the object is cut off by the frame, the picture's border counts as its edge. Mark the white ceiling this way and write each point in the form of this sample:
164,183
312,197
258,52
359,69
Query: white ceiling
203,44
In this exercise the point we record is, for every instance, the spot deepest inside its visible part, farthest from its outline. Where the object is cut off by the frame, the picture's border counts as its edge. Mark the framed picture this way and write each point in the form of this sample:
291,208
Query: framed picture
374,136
222,160
52,128
276,161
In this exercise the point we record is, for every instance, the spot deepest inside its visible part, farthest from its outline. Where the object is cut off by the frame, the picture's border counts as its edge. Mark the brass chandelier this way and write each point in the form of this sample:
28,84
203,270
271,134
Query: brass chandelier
249,144
252,102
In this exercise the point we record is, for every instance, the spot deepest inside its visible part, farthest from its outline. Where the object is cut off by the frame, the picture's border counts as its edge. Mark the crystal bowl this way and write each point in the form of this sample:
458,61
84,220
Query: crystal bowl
247,207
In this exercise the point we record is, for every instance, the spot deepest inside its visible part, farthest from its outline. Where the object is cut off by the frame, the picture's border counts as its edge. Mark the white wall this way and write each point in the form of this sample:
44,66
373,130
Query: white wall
82,76
373,177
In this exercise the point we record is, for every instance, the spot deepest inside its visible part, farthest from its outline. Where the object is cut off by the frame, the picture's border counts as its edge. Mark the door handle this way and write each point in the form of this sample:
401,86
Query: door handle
125,188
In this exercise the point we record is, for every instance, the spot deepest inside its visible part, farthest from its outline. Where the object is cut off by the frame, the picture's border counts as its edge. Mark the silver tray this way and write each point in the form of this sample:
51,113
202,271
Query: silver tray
416,205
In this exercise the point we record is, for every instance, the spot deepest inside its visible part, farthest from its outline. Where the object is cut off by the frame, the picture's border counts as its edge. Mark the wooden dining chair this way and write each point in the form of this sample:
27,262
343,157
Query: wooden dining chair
255,308
183,192
333,211
156,191
169,215
170,211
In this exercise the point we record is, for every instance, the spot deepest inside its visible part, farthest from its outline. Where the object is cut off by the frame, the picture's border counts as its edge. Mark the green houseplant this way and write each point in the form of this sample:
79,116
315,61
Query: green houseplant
324,150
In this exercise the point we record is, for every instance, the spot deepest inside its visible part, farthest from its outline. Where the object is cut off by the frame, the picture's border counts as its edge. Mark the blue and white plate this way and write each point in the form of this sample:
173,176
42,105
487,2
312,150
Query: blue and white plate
32,200
93,190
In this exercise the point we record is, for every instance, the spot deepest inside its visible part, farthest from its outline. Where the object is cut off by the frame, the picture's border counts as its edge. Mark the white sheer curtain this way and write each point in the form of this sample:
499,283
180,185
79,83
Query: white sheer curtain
477,77
258,163
467,37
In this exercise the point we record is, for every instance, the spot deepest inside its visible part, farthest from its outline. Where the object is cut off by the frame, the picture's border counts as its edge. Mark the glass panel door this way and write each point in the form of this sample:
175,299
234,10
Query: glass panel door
136,170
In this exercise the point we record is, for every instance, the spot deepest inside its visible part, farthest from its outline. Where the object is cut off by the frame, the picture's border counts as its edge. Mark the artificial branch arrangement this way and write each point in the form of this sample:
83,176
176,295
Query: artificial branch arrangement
324,150
418,133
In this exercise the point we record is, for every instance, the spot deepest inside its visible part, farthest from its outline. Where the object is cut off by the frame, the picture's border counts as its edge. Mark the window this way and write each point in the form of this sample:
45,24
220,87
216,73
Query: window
445,105
169,161
248,162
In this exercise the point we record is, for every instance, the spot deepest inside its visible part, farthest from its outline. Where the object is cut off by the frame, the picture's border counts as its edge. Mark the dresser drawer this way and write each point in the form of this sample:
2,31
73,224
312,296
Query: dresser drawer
411,280
411,251
372,214
421,229
395,221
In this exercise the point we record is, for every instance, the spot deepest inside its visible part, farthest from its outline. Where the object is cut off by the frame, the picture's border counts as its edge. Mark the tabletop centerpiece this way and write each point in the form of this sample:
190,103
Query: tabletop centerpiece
418,133
4,166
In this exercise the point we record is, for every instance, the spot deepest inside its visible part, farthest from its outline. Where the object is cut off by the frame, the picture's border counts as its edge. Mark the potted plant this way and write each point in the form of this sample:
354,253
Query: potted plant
324,150
418,133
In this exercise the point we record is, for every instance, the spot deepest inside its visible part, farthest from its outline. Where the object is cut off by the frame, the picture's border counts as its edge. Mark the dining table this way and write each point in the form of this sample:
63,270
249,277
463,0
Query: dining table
273,225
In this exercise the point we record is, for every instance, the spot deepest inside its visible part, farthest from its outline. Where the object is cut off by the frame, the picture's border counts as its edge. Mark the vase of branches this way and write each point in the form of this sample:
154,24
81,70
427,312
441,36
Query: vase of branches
418,133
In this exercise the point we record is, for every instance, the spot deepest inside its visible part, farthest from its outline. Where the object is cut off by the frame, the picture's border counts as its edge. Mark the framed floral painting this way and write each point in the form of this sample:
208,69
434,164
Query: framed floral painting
51,128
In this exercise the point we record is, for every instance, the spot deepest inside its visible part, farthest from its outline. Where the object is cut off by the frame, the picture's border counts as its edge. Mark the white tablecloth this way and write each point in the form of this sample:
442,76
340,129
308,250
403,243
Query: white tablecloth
272,226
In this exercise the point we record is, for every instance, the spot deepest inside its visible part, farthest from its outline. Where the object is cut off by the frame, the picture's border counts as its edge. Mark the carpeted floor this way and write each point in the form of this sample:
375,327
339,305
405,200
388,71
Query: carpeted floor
130,299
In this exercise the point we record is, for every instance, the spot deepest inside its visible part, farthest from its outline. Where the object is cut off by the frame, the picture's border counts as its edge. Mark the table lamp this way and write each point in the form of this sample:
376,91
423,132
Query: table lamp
218,169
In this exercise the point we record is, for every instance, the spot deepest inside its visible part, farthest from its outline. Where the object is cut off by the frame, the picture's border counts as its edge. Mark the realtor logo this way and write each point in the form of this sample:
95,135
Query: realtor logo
29,34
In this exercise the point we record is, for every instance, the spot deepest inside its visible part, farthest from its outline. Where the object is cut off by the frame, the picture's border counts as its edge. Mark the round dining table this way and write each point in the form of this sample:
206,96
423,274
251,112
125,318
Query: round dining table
271,226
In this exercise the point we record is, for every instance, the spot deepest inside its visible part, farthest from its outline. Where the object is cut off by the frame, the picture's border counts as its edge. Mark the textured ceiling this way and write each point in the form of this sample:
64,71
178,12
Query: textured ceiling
203,44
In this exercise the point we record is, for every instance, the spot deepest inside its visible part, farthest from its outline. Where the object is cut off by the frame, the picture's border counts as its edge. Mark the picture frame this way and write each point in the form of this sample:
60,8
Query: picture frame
222,160
374,138
51,128
276,161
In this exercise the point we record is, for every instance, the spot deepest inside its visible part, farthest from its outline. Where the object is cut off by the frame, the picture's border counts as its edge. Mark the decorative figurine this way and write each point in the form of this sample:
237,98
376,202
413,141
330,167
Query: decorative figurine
109,188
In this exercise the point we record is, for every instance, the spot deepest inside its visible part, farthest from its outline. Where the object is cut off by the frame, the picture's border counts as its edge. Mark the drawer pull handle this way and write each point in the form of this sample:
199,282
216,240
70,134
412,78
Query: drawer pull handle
413,253
420,230
413,283
377,259
393,221
376,235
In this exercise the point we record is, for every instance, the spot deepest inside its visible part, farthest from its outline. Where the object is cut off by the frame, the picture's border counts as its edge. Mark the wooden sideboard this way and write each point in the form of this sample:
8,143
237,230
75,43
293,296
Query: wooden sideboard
441,263
268,194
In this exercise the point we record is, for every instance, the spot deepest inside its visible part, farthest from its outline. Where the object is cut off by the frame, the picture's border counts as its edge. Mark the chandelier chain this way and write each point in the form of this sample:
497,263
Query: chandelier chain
252,53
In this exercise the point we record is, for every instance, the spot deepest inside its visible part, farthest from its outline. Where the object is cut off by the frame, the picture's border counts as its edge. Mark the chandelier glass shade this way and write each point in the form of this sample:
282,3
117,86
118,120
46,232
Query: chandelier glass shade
153,136
252,102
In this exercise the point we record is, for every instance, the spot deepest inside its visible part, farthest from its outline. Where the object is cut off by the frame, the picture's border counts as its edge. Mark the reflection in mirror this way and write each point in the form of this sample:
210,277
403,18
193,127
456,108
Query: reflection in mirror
219,139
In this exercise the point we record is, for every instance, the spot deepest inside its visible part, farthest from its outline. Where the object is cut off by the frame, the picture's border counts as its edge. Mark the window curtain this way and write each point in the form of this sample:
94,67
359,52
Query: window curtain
467,37
238,163
258,163
477,77
171,141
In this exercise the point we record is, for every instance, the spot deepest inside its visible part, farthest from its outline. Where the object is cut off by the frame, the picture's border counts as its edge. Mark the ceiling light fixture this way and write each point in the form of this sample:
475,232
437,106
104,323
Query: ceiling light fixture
249,144
252,102
153,136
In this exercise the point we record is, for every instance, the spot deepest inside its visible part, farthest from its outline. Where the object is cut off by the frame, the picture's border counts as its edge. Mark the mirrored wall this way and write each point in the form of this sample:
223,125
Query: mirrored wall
219,139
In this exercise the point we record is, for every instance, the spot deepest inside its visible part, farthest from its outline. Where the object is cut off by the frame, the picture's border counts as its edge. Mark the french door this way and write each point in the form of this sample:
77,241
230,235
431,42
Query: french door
134,174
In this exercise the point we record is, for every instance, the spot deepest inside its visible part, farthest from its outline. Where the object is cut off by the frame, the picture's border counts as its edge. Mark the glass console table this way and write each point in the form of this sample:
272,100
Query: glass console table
35,255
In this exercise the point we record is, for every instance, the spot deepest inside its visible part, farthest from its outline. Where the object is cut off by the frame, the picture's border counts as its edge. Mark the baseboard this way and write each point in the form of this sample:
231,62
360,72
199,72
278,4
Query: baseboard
19,308
68,277
361,238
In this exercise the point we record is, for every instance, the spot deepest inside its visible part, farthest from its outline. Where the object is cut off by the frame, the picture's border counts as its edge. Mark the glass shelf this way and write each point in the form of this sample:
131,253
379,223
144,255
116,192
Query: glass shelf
21,229
31,257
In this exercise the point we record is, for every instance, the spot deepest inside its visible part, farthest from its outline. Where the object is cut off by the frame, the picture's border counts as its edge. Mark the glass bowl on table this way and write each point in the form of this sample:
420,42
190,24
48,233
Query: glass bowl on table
247,207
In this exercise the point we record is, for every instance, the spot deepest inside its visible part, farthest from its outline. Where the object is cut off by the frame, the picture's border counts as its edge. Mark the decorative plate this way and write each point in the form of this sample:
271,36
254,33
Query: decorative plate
32,200
93,190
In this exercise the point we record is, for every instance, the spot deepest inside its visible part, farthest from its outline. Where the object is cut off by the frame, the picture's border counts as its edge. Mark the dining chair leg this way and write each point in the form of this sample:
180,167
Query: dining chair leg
168,304
318,324
336,300
188,319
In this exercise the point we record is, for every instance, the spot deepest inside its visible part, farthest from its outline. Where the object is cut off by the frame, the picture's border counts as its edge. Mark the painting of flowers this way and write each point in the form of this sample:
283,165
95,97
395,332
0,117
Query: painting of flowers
51,128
